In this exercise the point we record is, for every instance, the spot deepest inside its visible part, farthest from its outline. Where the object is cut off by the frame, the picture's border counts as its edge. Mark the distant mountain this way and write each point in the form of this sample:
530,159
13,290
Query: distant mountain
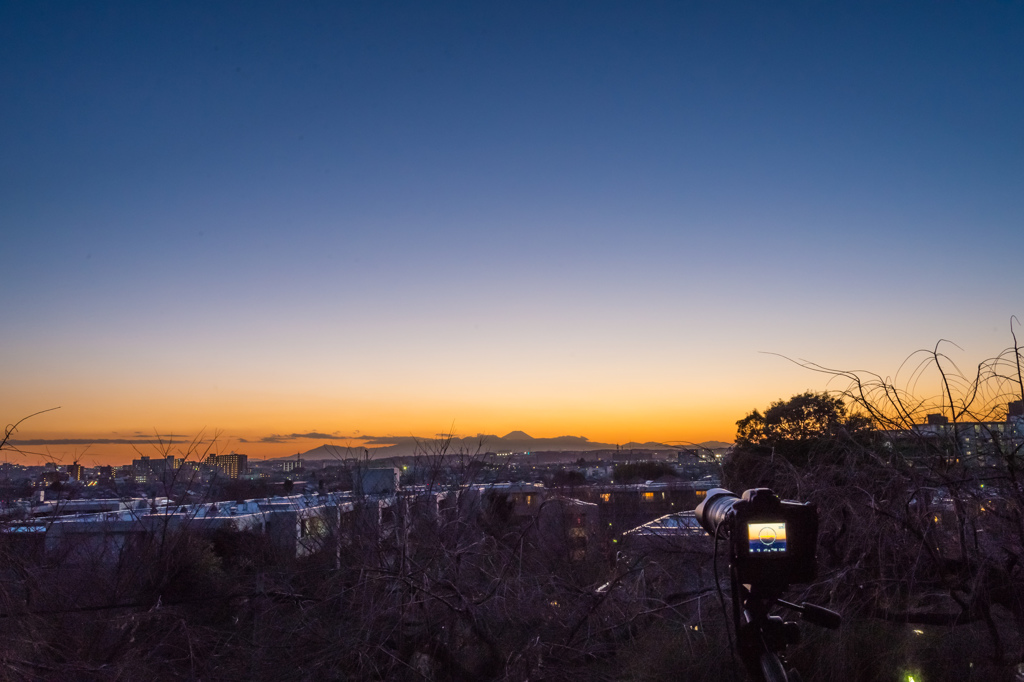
516,441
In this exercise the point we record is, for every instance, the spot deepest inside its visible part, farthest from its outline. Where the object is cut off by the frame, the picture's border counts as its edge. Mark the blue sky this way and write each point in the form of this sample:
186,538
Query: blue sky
558,217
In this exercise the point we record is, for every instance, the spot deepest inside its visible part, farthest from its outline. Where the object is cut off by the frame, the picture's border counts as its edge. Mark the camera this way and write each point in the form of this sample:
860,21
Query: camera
772,542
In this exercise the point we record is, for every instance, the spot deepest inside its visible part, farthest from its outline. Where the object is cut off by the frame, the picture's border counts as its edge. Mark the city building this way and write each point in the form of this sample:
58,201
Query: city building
231,465
76,472
969,442
375,481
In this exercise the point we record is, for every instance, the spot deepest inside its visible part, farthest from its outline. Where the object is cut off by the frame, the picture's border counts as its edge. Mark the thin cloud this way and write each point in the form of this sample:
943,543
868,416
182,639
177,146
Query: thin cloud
388,440
285,438
101,441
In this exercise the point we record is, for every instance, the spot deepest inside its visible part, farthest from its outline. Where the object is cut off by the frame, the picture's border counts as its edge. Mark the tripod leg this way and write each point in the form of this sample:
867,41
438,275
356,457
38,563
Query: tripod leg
771,667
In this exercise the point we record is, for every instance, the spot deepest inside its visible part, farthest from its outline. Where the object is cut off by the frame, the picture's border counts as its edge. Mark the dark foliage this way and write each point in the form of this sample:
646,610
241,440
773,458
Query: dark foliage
801,430
567,478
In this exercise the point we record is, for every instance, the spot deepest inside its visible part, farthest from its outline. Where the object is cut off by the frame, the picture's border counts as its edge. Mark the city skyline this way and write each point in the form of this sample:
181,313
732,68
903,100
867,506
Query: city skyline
398,220
316,446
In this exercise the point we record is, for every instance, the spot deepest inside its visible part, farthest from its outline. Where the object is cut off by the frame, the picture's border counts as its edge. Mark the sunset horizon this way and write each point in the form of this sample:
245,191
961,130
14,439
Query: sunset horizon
677,421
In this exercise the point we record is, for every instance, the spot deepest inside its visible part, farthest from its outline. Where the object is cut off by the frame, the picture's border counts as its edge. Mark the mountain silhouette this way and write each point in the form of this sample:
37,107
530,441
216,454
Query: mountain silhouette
376,447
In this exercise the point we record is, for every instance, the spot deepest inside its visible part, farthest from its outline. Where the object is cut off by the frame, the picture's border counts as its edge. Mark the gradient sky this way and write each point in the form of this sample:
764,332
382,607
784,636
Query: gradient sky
583,218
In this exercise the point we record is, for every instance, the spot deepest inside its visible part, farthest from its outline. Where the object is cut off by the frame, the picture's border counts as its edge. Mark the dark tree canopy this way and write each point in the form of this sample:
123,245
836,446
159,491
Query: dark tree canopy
793,430
803,418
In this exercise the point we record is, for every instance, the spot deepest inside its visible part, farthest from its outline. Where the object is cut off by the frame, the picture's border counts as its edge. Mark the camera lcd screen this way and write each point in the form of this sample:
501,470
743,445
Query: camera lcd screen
767,538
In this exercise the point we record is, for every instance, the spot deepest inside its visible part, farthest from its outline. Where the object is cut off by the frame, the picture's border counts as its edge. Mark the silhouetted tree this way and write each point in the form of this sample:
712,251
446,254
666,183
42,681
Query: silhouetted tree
794,430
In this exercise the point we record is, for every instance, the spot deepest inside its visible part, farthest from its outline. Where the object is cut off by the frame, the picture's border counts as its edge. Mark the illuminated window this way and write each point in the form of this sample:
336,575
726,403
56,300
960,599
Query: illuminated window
606,497
648,496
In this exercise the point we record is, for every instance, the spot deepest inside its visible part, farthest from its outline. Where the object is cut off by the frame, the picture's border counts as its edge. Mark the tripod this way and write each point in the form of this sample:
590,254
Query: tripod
763,638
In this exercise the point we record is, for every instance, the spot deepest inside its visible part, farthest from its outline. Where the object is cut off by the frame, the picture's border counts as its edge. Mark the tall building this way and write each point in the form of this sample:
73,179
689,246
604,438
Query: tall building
76,472
145,468
232,465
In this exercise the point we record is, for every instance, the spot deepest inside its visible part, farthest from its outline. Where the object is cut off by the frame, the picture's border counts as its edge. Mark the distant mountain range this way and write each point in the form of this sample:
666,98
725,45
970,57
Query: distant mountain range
516,441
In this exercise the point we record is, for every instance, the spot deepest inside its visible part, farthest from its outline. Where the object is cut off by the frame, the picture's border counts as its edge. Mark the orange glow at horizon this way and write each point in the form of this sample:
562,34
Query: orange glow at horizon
599,427
685,402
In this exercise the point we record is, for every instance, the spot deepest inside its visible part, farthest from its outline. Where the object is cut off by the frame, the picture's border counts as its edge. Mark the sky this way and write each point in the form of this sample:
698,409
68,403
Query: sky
282,224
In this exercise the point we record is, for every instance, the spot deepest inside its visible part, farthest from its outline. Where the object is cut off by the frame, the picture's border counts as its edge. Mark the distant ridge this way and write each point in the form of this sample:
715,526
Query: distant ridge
715,445
515,441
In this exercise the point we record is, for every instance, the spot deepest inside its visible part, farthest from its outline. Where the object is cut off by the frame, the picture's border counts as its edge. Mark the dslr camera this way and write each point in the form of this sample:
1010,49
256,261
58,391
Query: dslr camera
772,542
